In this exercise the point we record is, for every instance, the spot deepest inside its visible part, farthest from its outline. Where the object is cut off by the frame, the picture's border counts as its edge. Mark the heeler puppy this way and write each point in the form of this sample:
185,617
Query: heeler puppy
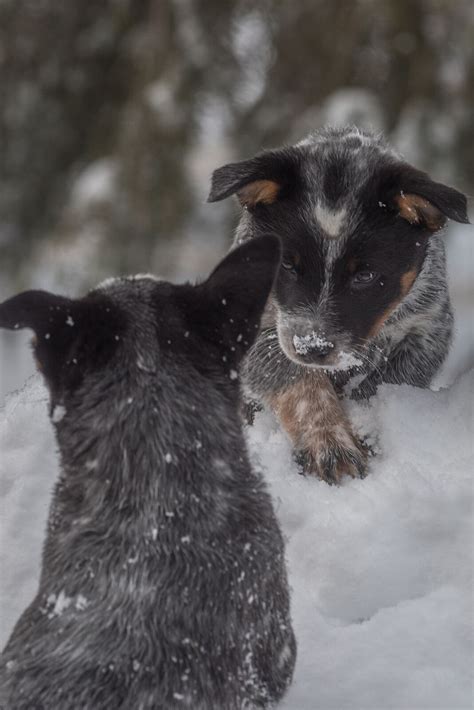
362,286
163,581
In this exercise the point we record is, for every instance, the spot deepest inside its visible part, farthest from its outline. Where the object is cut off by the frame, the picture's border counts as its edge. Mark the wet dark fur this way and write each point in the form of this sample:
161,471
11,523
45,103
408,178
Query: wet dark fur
347,209
163,580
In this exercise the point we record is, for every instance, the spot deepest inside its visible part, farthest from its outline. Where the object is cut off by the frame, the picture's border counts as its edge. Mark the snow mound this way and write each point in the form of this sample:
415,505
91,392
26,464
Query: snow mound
381,568
28,470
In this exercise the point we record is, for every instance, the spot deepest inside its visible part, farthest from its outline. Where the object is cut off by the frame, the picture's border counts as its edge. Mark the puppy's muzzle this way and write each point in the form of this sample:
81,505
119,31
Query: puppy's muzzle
313,347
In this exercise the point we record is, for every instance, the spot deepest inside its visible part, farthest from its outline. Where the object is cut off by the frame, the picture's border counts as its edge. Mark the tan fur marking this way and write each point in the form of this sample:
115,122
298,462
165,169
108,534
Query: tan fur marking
352,265
265,191
378,325
312,415
315,393
406,282
416,210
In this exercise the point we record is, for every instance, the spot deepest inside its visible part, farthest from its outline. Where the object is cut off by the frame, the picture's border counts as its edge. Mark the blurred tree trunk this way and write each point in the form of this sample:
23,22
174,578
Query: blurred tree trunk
127,86
64,76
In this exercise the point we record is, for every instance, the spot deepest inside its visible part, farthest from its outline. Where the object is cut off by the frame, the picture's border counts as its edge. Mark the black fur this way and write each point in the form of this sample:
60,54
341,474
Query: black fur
362,289
354,177
163,580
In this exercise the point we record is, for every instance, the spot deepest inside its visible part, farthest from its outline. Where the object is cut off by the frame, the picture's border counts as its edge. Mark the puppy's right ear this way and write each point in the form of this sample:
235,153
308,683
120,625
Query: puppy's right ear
53,320
261,180
234,296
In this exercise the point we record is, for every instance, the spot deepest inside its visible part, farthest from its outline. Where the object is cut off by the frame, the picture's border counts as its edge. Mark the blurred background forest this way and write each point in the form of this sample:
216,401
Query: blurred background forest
114,113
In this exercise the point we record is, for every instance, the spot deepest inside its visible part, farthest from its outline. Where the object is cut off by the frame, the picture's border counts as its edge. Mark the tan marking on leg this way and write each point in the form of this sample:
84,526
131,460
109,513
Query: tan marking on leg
305,395
312,415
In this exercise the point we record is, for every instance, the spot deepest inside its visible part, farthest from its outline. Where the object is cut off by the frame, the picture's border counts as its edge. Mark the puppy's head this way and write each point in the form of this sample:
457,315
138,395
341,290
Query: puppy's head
124,337
355,223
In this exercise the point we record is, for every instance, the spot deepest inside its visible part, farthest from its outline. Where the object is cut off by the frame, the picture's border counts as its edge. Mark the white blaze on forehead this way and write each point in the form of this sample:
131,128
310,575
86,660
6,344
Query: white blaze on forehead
330,220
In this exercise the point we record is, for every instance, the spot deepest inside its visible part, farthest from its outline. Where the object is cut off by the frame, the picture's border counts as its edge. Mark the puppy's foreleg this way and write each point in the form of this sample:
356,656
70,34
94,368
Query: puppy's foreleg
311,413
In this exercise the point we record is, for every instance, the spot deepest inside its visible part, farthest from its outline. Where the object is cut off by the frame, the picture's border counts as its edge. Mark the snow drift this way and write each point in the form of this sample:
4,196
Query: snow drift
381,568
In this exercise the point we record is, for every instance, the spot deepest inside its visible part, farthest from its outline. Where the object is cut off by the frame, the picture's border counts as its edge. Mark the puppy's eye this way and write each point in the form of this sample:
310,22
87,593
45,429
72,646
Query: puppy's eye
363,278
289,265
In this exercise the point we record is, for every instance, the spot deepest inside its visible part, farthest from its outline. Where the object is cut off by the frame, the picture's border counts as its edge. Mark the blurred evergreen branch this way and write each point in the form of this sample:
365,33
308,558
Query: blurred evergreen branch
132,82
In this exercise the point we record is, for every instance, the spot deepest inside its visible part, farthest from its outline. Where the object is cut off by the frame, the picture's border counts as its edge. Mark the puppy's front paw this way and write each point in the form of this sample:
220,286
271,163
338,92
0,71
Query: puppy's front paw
332,459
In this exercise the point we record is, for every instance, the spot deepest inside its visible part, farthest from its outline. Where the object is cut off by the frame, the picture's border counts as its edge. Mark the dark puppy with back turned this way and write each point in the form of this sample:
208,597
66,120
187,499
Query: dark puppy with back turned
361,297
163,580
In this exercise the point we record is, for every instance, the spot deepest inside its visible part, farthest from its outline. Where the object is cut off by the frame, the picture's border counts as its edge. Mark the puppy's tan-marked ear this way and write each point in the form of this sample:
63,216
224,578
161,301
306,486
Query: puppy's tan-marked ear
420,200
417,210
259,181
260,191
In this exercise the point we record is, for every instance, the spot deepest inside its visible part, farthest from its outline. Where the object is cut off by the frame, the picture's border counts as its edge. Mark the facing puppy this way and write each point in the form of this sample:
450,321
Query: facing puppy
163,580
362,286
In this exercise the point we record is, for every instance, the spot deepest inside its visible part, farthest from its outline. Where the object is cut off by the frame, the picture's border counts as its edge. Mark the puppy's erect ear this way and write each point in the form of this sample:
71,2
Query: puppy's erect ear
235,294
422,201
261,180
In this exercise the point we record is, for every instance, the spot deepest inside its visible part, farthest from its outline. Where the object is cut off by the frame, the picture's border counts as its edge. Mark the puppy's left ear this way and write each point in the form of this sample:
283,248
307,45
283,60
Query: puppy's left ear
422,201
230,304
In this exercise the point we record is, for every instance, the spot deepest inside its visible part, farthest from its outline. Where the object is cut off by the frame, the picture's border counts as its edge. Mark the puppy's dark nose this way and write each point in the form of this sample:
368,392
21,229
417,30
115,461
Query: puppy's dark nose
320,350
313,346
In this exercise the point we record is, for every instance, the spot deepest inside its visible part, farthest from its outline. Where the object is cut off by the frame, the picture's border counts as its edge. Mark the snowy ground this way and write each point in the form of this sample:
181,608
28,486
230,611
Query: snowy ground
381,569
